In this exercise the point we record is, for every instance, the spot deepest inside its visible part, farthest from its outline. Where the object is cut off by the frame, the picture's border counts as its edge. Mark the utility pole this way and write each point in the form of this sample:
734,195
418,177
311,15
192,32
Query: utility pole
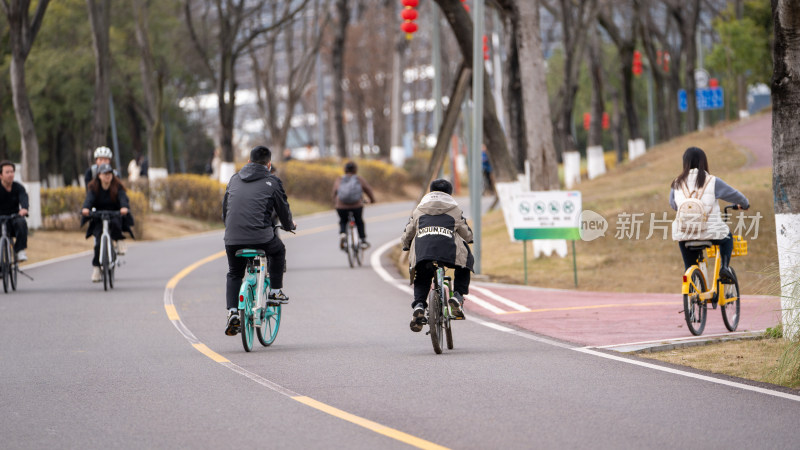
475,175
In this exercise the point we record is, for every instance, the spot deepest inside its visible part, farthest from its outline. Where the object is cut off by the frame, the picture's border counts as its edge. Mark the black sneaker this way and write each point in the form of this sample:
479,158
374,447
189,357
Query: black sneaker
455,305
278,297
364,245
418,318
343,241
233,323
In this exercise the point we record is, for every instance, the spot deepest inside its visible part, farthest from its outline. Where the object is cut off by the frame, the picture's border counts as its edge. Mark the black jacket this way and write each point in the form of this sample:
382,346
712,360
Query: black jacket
251,198
101,200
10,202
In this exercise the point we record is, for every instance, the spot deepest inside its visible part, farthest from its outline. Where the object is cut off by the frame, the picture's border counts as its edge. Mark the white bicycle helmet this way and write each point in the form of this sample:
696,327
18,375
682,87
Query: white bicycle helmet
102,152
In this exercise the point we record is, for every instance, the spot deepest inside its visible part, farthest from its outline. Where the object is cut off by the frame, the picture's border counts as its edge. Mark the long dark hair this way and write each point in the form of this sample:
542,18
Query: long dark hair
693,158
113,189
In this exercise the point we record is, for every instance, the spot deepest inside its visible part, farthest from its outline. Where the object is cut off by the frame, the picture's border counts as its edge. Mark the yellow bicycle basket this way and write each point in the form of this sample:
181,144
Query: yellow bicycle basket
739,248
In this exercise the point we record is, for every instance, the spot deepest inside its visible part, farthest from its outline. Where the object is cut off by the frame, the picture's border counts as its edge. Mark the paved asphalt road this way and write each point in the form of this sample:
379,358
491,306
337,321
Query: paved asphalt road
84,368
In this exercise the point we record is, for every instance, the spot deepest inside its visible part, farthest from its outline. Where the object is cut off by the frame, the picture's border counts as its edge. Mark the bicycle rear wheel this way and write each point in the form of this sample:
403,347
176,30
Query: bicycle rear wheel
246,322
435,320
730,310
270,322
694,308
5,264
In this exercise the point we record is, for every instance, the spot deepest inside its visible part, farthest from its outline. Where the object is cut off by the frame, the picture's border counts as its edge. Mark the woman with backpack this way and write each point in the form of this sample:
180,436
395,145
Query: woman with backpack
348,193
694,196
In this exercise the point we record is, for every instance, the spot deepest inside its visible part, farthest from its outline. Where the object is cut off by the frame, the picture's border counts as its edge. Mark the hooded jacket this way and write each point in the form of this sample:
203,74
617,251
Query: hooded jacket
252,195
437,231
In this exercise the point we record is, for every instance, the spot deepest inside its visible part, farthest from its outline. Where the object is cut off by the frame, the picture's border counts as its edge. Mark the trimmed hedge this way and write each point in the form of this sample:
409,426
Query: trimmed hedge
314,180
195,196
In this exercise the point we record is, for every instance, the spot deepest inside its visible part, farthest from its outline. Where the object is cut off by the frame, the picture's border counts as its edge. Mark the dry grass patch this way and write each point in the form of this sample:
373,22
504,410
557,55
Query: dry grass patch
754,360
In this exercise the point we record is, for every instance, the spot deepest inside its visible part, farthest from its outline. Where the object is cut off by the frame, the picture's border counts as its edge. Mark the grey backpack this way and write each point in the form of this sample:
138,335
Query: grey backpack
349,191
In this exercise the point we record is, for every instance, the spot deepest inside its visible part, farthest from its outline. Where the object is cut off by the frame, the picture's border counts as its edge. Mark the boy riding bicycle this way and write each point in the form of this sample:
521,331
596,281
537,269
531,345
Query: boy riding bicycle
437,231
252,196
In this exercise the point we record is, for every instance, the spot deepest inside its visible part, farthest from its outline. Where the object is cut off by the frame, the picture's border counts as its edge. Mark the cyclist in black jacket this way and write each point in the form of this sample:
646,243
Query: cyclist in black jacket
437,231
252,196
14,200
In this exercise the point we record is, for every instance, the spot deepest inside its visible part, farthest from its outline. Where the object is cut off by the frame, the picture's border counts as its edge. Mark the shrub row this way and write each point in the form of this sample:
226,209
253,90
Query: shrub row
314,180
195,196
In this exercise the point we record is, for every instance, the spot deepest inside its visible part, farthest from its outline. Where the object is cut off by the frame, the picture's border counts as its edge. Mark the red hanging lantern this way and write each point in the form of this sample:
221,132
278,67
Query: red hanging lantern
712,83
465,5
587,121
606,122
409,15
637,63
485,48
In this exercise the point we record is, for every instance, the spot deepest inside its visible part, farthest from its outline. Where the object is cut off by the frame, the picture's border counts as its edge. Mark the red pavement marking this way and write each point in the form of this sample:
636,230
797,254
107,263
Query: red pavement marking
755,134
632,318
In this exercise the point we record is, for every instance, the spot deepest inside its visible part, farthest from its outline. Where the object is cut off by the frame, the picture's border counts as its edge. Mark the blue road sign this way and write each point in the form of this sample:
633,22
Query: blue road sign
707,98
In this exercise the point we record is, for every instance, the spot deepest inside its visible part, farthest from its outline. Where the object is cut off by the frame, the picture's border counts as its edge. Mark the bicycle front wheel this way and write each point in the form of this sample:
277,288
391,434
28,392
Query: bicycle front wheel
435,320
694,308
5,264
270,322
730,310
105,264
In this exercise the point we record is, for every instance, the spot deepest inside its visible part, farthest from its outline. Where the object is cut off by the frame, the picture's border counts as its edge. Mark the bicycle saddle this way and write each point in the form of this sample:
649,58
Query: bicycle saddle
250,253
698,245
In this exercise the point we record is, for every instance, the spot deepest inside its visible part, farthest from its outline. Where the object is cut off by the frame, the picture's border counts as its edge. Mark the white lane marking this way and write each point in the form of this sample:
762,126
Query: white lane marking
375,262
501,299
690,374
484,304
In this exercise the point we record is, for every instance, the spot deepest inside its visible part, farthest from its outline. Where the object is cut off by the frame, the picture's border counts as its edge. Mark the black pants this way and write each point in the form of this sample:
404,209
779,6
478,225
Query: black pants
423,277
276,260
344,215
18,228
690,256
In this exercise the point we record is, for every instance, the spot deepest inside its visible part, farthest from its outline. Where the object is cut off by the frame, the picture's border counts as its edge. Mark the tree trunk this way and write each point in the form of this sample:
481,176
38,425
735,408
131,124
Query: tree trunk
22,33
513,94
152,88
786,157
597,103
337,57
100,21
493,135
539,126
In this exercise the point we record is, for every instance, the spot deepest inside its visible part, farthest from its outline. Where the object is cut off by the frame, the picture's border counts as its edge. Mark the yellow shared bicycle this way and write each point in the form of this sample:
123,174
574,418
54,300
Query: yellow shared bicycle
696,296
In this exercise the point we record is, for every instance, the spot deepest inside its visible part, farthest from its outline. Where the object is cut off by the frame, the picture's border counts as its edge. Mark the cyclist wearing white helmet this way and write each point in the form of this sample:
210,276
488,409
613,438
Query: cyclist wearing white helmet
102,155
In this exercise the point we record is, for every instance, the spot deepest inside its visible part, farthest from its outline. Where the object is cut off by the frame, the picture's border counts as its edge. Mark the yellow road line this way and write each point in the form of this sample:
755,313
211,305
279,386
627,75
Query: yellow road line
202,348
368,424
172,314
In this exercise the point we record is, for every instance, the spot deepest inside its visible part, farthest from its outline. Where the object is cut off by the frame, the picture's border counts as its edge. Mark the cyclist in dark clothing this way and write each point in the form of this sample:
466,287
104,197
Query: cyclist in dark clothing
14,200
252,196
104,193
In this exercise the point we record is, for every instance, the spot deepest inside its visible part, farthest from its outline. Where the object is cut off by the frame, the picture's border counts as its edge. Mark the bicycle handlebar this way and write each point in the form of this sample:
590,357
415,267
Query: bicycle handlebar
3,218
103,213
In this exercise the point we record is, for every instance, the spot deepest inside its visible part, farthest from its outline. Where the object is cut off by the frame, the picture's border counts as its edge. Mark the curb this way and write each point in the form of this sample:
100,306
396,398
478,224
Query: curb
666,345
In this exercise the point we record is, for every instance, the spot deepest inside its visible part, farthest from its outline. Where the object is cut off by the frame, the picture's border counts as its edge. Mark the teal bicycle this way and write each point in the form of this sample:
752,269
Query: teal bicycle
256,314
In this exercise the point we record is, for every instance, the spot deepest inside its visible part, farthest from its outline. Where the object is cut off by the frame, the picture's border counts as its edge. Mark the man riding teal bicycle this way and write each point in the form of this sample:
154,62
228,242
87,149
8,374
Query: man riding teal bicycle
437,231
252,196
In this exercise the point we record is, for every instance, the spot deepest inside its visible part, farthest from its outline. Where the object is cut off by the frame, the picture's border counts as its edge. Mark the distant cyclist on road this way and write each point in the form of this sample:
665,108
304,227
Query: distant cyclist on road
14,200
252,196
102,155
106,193
437,231
695,188
348,193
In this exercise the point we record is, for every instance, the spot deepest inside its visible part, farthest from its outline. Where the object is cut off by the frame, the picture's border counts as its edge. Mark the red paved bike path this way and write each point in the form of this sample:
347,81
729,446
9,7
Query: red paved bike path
607,318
